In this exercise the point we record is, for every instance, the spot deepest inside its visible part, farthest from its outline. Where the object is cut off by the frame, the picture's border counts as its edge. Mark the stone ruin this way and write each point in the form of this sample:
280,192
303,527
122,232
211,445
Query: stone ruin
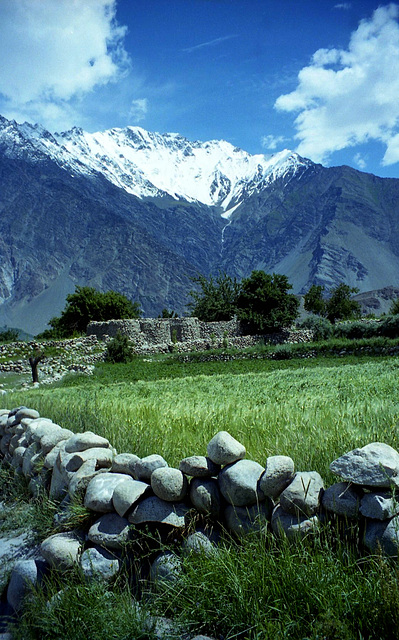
188,334
218,486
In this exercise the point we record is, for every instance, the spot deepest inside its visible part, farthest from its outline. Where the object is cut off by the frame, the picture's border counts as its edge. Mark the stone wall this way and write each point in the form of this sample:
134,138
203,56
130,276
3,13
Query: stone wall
216,489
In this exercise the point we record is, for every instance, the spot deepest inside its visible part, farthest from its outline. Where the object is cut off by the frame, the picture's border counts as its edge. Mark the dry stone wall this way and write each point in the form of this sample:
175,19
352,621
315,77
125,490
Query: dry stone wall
213,489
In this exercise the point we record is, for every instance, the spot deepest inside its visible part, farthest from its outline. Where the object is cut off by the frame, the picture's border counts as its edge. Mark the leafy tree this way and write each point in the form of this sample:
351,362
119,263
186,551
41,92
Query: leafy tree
314,301
264,302
340,305
168,314
394,309
88,304
9,335
216,299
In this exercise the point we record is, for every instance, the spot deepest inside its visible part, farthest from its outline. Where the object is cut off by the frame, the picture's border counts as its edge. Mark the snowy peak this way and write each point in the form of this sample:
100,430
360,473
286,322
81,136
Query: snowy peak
145,164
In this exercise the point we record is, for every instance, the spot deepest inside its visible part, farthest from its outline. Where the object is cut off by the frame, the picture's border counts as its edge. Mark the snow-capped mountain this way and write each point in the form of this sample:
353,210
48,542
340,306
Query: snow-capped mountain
151,165
142,212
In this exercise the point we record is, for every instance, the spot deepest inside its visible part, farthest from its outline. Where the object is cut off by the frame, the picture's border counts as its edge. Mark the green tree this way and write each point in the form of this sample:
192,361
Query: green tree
88,304
314,301
9,335
394,309
216,298
264,302
165,313
119,349
340,305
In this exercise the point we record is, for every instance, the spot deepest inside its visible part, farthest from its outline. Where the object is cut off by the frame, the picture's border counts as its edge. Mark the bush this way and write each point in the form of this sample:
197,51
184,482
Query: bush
394,310
119,349
321,327
9,335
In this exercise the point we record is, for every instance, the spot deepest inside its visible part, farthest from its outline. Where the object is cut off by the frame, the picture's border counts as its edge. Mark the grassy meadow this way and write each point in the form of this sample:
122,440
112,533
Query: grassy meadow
257,589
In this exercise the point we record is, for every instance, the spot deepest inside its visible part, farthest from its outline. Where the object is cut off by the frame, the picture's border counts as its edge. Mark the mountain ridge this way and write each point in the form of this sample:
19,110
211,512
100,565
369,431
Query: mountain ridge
66,219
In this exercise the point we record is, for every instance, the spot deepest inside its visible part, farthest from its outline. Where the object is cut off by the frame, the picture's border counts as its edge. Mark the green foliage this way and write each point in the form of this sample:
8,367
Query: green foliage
168,314
88,304
264,302
119,349
314,301
9,335
394,310
321,327
216,298
340,306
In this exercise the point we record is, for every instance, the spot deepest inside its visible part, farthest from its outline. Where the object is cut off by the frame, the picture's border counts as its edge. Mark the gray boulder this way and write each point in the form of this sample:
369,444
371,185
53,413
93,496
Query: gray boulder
303,494
61,550
169,484
154,509
224,449
102,456
199,543
81,478
199,467
239,483
125,463
23,577
382,535
144,468
205,496
110,531
100,491
375,465
292,526
49,440
166,567
98,563
343,499
242,520
127,494
278,474
380,505
86,440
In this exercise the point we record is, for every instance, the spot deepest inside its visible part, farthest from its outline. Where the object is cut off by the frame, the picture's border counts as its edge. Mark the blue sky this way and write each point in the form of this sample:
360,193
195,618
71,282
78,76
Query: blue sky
317,76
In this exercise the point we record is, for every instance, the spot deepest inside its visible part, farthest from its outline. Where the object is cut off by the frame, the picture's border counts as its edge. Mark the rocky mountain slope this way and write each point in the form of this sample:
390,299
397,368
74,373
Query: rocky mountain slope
140,213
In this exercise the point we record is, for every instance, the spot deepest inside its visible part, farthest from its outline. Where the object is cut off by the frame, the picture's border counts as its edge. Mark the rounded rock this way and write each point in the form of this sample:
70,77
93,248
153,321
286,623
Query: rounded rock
144,468
278,474
169,484
224,449
239,483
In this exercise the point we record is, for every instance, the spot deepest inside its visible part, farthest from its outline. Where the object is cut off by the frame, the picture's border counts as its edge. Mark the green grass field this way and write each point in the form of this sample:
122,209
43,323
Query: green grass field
312,410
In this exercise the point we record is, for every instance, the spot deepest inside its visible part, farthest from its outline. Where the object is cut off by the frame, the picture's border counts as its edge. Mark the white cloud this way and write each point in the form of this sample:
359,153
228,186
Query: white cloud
272,142
343,5
138,110
347,97
54,51
360,161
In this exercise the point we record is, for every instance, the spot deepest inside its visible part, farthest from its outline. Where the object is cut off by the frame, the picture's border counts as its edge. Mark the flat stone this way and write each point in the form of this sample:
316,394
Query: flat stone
86,440
52,455
205,496
26,413
380,505
58,486
154,509
382,535
169,484
49,440
81,478
303,494
292,526
199,467
128,493
125,463
144,467
110,531
61,550
23,577
279,472
100,491
98,563
102,456
374,465
239,483
224,449
242,520
343,499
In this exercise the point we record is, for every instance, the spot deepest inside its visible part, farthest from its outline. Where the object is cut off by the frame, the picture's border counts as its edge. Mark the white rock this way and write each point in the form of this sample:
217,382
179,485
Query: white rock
100,491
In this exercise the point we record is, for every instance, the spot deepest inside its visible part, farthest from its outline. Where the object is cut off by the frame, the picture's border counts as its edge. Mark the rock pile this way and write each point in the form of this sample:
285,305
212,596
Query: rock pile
125,493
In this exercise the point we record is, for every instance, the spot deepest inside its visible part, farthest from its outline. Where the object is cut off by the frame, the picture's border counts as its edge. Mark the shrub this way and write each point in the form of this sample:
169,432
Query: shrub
321,327
394,310
119,349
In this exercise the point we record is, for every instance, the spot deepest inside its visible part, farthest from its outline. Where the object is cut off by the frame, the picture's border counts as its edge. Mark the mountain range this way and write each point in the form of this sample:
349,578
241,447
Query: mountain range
141,213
